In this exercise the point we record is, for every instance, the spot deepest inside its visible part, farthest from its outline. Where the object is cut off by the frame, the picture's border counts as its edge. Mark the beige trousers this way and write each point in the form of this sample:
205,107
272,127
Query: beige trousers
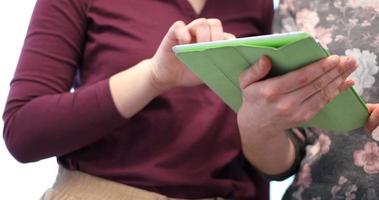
75,185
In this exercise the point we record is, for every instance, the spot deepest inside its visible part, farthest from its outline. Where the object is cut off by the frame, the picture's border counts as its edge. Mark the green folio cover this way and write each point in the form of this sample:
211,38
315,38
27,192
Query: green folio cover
220,63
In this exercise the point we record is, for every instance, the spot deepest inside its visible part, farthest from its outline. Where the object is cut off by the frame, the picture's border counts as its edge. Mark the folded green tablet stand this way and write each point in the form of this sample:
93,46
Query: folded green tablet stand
220,63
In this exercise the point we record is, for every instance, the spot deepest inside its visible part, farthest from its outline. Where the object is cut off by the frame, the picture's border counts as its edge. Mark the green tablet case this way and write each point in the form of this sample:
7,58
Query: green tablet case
220,63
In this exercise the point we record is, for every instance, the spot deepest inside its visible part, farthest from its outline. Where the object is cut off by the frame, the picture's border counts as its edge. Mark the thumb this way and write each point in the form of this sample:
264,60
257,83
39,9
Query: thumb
370,107
177,34
256,72
373,120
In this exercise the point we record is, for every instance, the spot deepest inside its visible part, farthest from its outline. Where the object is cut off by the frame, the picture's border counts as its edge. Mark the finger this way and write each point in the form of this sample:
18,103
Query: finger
183,35
216,29
331,91
370,107
340,81
304,76
331,80
176,34
373,120
200,30
228,36
346,85
319,100
256,72
314,104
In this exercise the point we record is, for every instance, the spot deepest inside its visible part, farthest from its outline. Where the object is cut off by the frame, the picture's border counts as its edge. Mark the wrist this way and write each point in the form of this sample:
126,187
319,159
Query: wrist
271,153
254,130
257,139
132,89
154,77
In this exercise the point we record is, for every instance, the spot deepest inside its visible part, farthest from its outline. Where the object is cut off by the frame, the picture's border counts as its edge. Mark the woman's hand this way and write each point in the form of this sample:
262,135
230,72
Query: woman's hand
274,105
134,88
167,70
373,120
289,100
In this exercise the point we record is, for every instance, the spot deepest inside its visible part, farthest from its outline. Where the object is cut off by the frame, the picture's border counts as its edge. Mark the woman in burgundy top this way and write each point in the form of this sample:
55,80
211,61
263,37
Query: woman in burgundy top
134,120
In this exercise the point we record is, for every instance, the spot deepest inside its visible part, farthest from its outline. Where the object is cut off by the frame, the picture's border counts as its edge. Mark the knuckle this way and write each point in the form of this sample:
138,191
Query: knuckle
327,95
203,22
198,23
326,66
303,79
330,62
200,20
318,84
284,109
214,22
178,23
270,94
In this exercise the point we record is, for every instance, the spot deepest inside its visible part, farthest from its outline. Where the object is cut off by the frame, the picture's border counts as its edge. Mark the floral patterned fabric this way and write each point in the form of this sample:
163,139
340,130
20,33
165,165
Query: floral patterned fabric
339,166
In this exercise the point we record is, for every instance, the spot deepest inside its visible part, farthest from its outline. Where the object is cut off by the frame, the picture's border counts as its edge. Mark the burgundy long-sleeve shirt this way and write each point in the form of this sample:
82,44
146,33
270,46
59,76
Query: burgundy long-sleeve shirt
184,144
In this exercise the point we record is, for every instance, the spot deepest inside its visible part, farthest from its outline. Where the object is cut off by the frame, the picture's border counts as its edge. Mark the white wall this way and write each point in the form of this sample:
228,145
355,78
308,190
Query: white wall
17,181
29,181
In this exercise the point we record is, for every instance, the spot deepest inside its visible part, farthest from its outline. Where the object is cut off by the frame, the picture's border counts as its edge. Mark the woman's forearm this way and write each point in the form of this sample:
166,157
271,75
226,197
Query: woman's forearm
134,88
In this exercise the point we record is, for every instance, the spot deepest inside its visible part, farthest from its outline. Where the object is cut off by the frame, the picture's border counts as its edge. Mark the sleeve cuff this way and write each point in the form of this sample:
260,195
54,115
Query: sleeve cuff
106,104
